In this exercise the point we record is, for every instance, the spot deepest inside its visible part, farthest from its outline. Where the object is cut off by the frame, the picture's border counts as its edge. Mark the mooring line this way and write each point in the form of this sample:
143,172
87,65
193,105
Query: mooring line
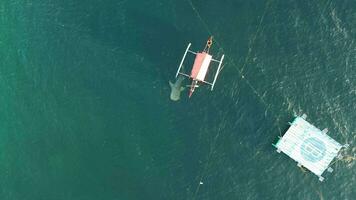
242,77
233,62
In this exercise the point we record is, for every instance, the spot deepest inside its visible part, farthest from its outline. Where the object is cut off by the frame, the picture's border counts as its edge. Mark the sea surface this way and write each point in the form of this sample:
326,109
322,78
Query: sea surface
85,112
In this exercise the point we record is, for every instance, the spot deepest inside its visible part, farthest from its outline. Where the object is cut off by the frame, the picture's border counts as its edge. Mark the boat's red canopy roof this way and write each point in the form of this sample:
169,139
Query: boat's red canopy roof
201,65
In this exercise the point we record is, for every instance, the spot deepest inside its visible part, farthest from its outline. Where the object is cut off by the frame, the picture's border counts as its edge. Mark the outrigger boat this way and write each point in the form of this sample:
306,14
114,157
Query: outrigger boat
200,67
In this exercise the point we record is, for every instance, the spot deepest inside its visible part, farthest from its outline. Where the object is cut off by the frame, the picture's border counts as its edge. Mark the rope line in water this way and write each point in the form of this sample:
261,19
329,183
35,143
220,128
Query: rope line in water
233,62
260,97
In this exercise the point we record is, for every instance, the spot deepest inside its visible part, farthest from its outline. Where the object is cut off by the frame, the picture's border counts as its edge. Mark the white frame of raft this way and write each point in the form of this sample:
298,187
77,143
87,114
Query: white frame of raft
309,146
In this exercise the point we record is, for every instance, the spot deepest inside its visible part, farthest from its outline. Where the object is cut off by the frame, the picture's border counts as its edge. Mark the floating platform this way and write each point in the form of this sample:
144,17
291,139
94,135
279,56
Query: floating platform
309,146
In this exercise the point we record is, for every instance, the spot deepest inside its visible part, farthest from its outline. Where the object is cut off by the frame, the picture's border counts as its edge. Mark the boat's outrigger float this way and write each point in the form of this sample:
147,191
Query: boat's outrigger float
200,66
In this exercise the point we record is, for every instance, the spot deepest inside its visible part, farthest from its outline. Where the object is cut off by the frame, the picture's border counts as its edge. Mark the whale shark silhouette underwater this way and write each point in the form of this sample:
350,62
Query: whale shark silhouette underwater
176,88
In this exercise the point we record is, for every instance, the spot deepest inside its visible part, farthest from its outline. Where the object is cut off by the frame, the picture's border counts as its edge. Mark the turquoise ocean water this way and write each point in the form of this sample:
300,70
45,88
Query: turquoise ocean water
85,112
